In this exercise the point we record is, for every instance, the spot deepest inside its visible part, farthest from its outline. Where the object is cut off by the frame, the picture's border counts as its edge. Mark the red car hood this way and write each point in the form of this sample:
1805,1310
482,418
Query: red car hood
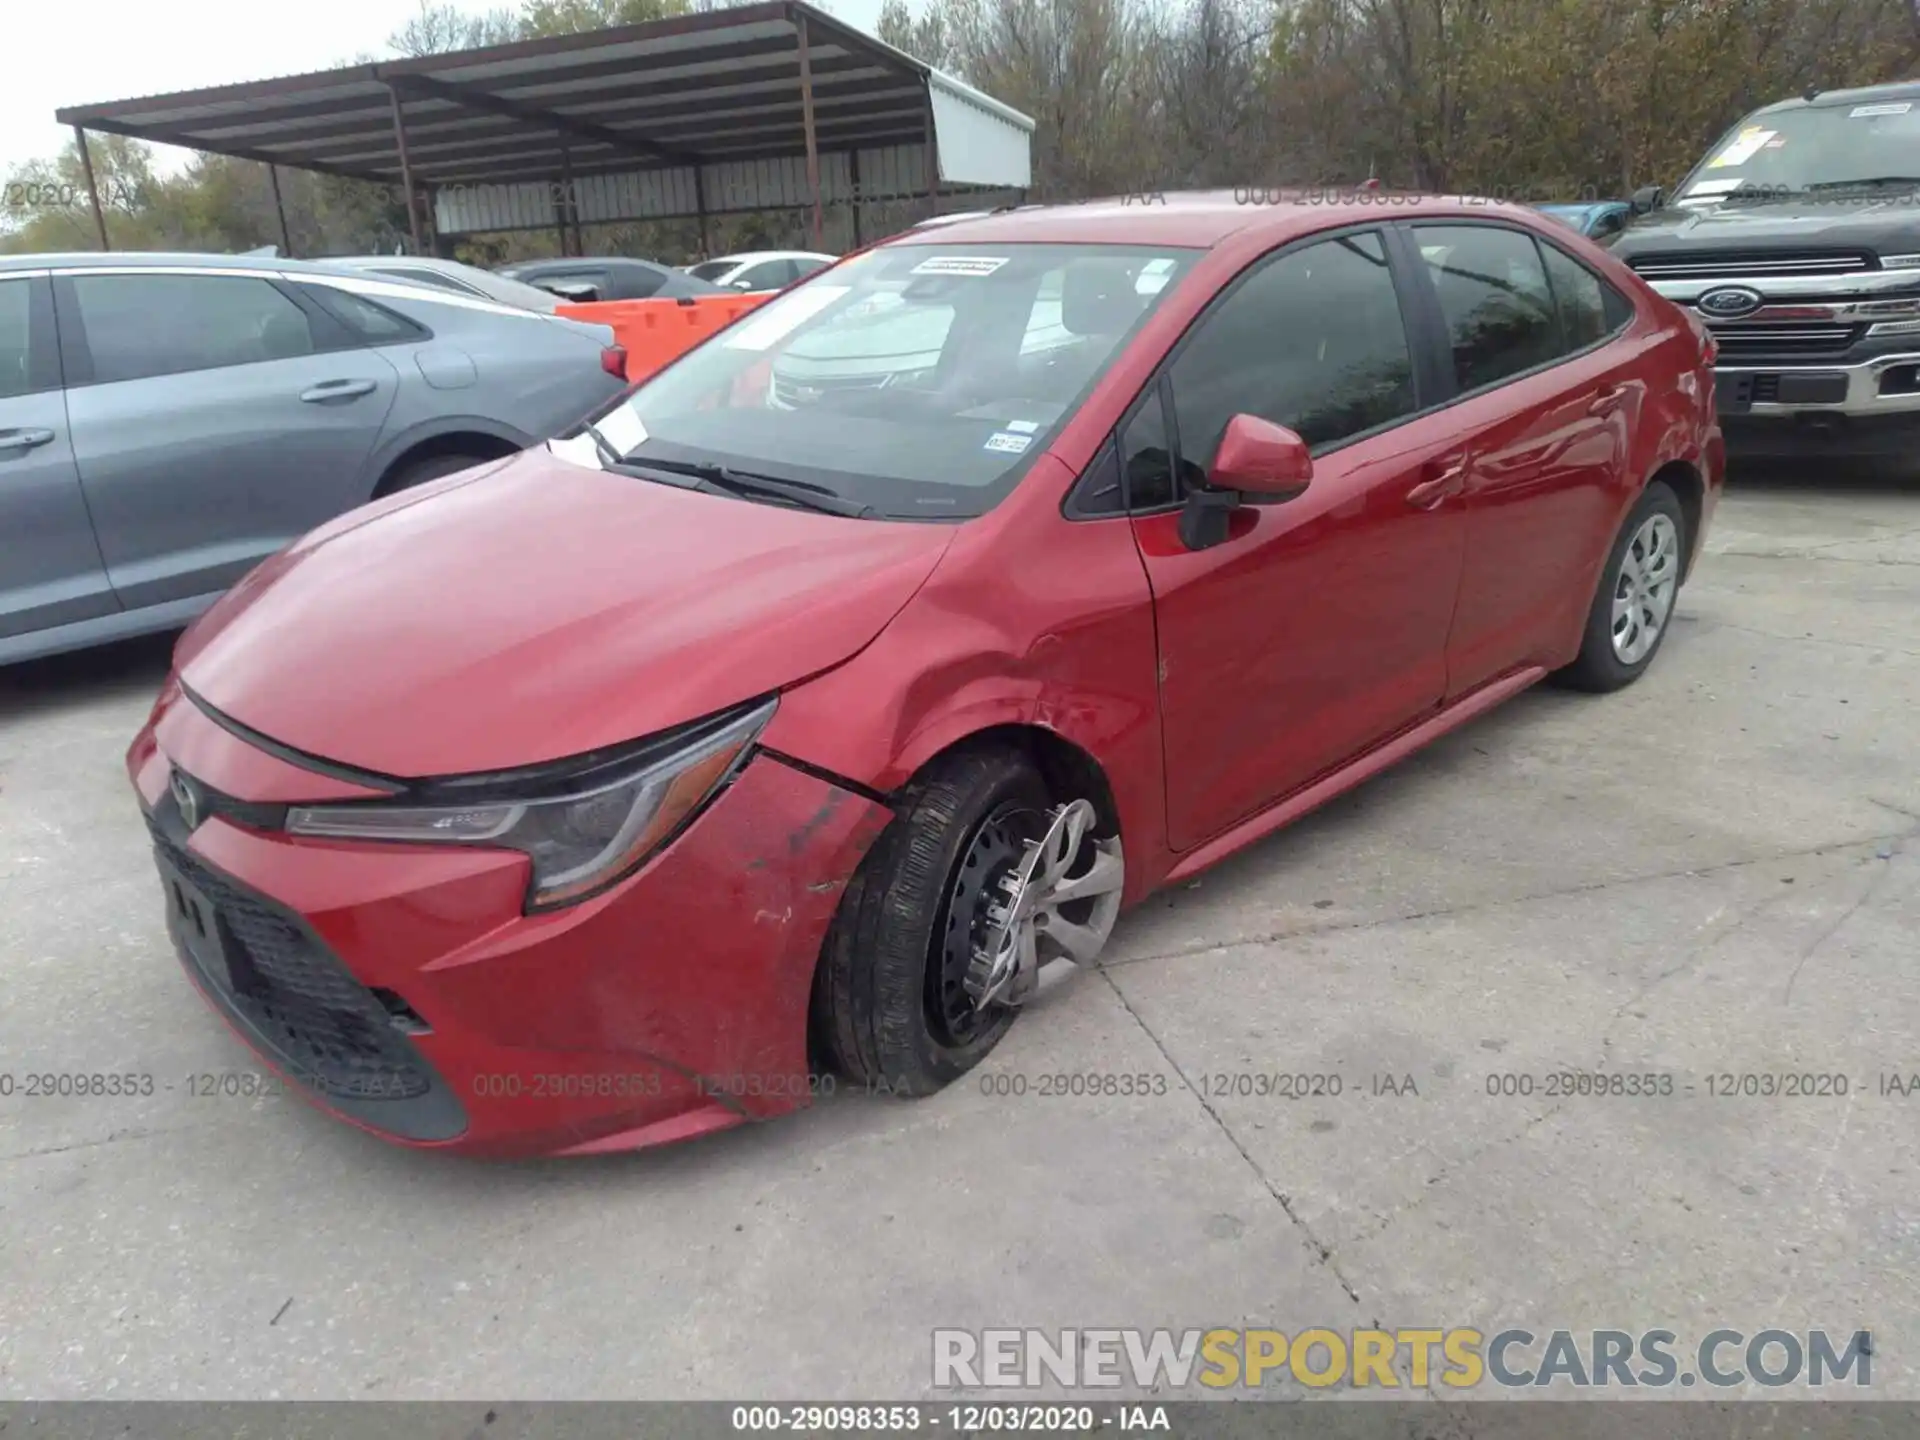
536,610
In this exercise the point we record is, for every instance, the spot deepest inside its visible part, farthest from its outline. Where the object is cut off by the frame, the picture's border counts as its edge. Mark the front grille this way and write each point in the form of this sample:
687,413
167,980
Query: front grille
1777,341
324,1026
1750,264
789,391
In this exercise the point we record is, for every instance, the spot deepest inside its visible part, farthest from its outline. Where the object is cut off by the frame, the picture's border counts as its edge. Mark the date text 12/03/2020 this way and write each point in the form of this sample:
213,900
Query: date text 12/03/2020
971,1419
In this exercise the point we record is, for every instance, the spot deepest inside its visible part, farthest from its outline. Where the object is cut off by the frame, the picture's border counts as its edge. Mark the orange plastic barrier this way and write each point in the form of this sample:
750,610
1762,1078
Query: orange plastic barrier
652,332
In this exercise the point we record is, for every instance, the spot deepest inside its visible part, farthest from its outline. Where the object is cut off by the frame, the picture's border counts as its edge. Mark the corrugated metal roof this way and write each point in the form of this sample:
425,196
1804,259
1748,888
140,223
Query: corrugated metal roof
696,94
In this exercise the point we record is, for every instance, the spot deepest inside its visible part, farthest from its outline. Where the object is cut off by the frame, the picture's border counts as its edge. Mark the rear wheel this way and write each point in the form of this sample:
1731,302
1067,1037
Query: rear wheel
972,868
1634,604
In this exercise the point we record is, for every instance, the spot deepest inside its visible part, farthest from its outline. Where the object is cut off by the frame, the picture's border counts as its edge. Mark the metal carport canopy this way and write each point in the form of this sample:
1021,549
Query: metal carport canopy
764,106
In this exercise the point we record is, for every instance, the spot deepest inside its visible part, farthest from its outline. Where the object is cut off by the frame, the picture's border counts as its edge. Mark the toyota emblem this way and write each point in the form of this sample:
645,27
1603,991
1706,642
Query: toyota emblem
186,795
1729,302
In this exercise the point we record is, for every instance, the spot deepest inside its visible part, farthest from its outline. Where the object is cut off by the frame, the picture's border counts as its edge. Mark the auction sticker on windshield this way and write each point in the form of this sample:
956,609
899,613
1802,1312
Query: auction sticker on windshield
960,265
1891,107
1743,149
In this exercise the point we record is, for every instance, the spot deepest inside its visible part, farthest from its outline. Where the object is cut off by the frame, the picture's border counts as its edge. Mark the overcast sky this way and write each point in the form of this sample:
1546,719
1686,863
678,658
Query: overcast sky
120,49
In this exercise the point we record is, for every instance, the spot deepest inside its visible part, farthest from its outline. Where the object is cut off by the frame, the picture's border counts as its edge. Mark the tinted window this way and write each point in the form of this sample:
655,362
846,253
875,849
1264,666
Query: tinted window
1608,224
804,268
635,282
1493,293
372,323
767,275
16,355
142,325
710,269
1313,340
1146,457
1580,298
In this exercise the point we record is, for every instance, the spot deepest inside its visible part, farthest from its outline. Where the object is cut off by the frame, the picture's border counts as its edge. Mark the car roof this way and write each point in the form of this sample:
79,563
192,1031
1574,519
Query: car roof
585,262
160,260
1196,220
1858,95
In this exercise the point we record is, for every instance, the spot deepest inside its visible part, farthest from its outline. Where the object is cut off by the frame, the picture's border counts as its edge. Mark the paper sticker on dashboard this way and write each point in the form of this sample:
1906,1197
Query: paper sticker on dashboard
960,265
1008,442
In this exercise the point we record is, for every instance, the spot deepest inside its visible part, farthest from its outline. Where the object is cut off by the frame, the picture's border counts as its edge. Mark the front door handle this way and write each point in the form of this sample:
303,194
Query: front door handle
337,390
24,439
1449,479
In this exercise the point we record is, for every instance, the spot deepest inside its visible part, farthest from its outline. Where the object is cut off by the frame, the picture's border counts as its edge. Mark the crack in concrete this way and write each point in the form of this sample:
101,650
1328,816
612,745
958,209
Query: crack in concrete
1320,1250
1885,862
1447,911
1810,639
114,1138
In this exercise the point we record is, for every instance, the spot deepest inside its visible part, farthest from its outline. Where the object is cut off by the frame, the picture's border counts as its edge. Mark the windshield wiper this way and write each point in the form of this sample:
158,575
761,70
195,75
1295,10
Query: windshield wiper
748,485
1865,182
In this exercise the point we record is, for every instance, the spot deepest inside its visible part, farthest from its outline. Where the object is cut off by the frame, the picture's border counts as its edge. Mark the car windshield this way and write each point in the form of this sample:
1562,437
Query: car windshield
1824,147
919,381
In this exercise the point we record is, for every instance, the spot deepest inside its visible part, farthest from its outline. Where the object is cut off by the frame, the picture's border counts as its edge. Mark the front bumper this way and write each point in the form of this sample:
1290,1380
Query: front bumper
400,987
1882,385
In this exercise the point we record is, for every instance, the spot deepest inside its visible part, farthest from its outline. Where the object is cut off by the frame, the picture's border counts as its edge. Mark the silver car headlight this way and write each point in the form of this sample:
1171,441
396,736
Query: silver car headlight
585,824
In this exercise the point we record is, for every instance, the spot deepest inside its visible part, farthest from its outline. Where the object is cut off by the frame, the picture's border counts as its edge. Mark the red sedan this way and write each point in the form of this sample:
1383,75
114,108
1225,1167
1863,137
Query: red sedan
783,723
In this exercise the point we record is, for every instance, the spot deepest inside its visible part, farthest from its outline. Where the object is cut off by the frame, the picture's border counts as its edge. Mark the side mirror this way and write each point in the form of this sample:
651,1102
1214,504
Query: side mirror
1257,463
1647,199
746,285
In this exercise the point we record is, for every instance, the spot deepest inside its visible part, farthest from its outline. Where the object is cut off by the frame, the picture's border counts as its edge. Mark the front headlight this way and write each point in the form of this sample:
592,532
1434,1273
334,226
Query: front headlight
584,828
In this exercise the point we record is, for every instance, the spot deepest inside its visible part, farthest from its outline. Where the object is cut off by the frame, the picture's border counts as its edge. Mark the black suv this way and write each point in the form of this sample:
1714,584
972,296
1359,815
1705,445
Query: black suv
1797,240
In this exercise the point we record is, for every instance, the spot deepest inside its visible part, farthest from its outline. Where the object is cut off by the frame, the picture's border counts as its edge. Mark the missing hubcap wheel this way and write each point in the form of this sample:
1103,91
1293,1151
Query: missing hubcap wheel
1058,903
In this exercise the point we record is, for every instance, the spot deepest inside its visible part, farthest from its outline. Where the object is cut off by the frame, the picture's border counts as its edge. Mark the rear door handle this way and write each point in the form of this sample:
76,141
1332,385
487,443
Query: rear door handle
24,439
338,390
1449,479
1608,401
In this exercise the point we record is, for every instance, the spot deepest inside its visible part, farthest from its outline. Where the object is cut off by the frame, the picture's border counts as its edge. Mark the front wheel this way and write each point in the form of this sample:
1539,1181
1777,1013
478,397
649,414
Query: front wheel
978,862
1635,600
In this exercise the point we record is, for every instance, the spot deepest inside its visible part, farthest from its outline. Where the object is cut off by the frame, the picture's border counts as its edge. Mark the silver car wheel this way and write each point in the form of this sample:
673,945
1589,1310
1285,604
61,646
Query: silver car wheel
1644,588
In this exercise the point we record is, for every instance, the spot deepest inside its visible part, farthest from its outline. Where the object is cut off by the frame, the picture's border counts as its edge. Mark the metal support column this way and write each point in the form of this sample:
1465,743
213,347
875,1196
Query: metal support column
700,206
406,169
933,159
280,211
806,120
93,190
853,180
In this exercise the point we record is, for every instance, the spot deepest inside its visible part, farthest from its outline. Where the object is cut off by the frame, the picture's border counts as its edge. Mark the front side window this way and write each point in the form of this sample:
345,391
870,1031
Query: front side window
919,380
1313,340
1493,293
144,325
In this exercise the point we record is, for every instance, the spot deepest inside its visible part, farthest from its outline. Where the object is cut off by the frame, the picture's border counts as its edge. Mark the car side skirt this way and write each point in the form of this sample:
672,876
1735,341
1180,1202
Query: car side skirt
1365,767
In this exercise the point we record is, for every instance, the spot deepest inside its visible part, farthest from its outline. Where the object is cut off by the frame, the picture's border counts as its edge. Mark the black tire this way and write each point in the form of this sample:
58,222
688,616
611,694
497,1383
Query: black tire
433,467
1598,668
883,972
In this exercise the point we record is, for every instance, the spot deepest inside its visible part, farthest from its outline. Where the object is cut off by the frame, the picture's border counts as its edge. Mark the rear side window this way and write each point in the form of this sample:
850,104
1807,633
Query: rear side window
16,334
804,268
1493,292
139,326
634,282
1582,301
370,323
767,275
